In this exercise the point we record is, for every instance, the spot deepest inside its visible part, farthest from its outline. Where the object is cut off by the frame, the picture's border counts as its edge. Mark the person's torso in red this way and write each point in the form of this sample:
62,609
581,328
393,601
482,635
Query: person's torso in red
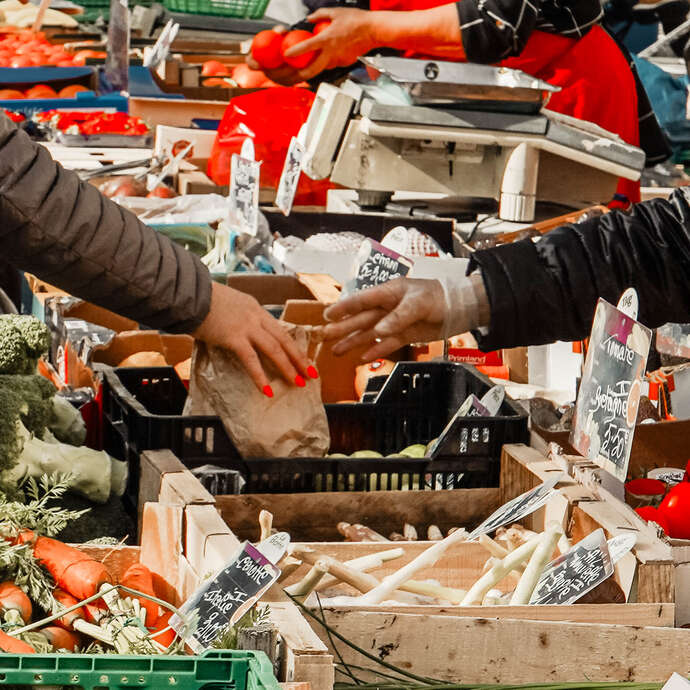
595,78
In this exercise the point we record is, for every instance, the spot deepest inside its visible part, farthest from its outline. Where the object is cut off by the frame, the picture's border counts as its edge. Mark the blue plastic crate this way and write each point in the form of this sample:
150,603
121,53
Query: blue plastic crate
86,100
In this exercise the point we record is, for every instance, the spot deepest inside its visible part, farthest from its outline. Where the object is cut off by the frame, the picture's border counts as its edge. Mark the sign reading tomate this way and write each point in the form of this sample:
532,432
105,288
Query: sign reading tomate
224,599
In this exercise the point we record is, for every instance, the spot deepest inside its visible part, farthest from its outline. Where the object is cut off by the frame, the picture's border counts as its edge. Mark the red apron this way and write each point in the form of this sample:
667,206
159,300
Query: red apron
595,78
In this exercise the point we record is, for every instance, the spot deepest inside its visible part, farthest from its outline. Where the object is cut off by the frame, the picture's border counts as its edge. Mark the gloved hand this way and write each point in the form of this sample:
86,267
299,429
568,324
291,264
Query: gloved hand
406,311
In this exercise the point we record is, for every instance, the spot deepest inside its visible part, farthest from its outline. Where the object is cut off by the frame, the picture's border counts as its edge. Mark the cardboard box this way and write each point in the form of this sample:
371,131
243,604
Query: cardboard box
304,299
174,348
176,112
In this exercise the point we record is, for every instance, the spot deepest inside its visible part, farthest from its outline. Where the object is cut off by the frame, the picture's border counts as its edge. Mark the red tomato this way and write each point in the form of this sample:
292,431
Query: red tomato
56,58
21,61
41,91
293,38
214,68
81,56
65,63
161,192
321,26
10,95
72,91
676,509
267,49
248,78
218,82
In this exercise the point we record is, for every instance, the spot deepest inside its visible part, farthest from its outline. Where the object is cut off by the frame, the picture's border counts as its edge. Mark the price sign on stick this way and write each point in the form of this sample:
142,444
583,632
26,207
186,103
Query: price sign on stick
376,265
224,599
518,508
244,189
289,179
609,395
575,573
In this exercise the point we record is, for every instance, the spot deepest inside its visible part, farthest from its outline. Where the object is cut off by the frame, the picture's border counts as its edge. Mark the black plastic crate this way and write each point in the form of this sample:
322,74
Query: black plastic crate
142,411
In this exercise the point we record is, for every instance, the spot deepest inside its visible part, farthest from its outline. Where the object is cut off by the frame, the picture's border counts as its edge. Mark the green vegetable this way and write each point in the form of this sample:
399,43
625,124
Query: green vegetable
23,340
28,446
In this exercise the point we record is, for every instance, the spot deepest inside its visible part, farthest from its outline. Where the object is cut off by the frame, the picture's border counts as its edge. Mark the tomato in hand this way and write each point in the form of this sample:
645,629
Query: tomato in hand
292,38
267,49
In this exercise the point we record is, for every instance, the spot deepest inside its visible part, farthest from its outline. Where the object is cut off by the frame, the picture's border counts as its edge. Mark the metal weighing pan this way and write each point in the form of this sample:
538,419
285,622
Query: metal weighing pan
438,82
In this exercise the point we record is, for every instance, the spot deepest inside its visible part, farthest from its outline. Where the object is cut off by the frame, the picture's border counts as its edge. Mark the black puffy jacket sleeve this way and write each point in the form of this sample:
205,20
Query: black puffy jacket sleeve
68,234
546,290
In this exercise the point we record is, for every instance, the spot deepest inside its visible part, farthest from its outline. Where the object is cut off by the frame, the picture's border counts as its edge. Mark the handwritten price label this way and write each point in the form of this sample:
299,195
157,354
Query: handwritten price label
609,395
224,599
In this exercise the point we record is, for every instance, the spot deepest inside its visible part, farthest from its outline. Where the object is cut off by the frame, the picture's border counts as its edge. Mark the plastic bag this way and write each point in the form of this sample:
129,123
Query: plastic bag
270,117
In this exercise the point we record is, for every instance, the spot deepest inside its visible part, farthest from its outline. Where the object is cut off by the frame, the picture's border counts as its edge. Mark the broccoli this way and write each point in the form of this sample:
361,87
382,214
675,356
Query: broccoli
23,340
32,416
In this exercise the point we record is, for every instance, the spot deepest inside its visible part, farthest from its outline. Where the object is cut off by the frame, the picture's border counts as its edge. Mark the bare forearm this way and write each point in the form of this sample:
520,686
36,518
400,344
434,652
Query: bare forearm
433,32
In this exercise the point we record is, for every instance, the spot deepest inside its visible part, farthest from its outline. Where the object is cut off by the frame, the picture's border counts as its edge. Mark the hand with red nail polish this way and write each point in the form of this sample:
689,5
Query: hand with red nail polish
312,373
240,324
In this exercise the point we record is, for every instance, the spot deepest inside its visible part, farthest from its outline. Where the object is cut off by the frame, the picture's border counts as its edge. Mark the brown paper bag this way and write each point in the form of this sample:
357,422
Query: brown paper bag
290,424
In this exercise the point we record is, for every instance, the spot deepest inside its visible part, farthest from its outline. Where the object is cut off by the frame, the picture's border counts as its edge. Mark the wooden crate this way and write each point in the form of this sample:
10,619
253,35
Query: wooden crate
208,545
460,567
523,468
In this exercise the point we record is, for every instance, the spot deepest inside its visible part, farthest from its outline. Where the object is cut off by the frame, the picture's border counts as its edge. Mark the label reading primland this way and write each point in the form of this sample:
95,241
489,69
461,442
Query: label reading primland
609,395
224,599
575,573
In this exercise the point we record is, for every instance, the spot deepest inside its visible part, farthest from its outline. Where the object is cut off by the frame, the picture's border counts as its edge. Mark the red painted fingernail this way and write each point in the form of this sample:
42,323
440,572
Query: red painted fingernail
299,380
268,391
312,372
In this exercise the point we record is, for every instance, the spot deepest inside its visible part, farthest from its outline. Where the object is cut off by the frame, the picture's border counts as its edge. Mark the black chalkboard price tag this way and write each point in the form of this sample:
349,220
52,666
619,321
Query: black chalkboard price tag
519,507
224,599
575,573
376,265
609,395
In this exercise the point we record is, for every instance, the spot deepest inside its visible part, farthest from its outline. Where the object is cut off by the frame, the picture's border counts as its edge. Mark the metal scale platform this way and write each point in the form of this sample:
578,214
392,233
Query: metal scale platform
468,136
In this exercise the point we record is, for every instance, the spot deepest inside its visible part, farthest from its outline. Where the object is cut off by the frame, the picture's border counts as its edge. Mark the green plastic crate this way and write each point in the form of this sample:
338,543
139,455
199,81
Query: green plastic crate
244,9
216,670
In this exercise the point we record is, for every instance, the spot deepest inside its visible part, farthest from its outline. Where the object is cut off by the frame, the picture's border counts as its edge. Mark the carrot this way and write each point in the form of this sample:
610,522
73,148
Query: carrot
160,634
12,598
12,644
139,577
67,601
60,638
95,611
72,570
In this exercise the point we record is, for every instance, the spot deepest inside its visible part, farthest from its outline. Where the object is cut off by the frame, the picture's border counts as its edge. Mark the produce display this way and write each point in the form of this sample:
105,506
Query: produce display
269,47
241,76
26,49
91,122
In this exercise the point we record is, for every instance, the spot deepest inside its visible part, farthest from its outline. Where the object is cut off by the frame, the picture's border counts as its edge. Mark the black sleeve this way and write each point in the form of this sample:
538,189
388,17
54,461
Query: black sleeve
547,290
496,29
67,233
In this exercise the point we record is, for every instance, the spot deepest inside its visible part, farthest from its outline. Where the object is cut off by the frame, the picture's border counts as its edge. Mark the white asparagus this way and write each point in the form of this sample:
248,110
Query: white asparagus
564,544
492,597
498,572
364,564
426,559
434,533
540,557
306,585
495,549
409,532
266,523
366,583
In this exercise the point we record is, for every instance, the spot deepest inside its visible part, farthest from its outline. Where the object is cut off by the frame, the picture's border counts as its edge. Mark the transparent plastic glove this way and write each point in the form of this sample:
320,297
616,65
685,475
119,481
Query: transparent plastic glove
404,311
